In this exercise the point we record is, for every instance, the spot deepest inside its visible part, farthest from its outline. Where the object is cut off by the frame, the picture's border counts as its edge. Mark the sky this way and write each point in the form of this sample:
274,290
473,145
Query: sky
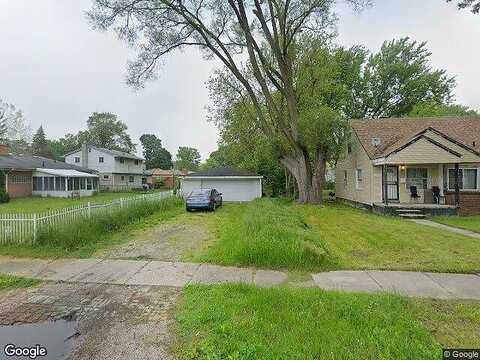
58,70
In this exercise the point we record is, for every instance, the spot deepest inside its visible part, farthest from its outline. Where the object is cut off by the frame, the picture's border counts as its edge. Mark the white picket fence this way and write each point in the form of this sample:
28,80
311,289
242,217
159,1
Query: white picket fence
23,228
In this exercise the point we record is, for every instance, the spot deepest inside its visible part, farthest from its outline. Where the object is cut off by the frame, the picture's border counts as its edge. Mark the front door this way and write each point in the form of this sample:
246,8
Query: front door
392,182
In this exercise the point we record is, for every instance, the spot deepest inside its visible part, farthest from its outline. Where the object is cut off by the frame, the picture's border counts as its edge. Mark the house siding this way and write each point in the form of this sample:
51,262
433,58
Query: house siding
372,176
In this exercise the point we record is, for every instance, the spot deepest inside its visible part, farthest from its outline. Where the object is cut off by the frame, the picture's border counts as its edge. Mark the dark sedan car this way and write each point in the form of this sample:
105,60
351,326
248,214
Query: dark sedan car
207,199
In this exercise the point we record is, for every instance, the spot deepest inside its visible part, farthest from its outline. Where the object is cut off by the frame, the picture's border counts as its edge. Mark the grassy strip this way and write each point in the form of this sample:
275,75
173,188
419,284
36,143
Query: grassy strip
84,237
267,233
37,204
471,223
243,322
357,239
14,282
455,324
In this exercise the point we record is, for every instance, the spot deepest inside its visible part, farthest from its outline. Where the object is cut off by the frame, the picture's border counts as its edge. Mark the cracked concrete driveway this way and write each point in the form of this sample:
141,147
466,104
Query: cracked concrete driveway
112,322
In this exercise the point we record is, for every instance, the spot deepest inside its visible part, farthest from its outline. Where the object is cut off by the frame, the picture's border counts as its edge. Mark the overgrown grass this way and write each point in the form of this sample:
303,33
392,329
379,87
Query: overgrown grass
264,233
275,233
40,204
471,223
14,282
84,237
243,322
357,239
455,324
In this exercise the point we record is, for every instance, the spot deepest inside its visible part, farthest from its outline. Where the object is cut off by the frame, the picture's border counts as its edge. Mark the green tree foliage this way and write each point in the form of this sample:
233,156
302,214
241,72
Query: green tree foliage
106,131
153,152
187,158
432,109
473,5
391,82
40,143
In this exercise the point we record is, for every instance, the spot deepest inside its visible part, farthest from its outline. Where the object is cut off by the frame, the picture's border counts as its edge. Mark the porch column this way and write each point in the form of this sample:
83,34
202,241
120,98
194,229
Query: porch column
385,186
457,187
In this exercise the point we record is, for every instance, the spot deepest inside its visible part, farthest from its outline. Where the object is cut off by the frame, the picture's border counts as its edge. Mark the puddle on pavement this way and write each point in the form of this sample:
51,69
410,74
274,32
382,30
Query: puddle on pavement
55,336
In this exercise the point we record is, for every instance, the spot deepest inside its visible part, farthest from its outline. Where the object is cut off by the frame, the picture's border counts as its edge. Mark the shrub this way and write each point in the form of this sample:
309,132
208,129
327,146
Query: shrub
4,197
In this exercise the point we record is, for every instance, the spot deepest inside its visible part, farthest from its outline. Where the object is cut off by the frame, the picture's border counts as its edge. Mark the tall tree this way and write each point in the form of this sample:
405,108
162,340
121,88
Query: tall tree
432,109
391,82
267,30
153,152
105,130
17,128
40,143
473,5
187,158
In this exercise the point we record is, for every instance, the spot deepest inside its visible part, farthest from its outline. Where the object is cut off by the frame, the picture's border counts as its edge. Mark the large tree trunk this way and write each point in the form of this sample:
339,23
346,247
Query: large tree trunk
309,175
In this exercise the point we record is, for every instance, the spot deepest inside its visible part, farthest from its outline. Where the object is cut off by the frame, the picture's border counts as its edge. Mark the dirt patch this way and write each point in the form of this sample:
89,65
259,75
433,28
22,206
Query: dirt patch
113,322
167,241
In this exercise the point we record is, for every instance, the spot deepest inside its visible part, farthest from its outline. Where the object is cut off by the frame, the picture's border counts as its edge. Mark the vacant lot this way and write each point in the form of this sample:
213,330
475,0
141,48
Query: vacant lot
273,233
471,223
39,204
243,322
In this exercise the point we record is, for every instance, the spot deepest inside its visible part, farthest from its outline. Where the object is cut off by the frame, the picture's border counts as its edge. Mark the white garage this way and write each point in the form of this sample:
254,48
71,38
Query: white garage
235,185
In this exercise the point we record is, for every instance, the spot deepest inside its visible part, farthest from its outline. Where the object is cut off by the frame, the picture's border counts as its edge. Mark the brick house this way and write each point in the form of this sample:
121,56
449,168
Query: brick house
34,175
168,177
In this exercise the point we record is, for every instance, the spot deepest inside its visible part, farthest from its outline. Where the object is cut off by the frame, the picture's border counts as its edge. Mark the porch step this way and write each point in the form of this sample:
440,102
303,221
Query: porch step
408,211
412,216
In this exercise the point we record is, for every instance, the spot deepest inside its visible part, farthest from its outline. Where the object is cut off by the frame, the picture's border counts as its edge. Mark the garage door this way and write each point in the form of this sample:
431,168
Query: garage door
231,189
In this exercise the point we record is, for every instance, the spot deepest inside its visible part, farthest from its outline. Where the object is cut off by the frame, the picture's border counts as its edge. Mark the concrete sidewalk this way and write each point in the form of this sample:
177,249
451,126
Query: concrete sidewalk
447,228
178,274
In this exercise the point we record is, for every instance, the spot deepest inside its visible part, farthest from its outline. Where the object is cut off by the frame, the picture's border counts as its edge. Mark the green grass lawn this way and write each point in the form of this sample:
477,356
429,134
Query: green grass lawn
39,204
275,233
471,223
86,237
14,282
244,322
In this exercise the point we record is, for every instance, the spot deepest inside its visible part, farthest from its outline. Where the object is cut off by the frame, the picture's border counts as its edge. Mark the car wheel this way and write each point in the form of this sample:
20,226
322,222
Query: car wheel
188,209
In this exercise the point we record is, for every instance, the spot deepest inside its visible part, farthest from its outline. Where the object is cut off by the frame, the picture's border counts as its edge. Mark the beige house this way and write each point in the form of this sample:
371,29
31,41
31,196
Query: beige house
405,165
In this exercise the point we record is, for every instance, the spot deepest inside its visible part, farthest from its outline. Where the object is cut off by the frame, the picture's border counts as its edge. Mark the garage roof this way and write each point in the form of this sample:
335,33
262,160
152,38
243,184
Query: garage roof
223,172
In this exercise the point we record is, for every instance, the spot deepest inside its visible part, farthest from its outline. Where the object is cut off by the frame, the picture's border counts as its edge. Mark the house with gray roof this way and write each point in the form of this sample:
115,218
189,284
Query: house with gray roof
118,170
27,175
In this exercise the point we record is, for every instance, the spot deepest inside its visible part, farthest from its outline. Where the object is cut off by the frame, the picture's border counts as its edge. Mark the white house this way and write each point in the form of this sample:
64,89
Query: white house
234,185
118,170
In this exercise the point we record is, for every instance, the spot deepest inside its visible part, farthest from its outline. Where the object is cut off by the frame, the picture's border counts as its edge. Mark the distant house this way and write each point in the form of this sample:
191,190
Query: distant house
34,175
167,177
431,164
118,170
235,185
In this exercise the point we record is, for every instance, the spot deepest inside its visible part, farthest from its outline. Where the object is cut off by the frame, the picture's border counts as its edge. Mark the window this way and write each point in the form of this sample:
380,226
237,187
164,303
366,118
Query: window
37,183
345,178
60,183
77,159
76,183
105,177
122,160
48,183
89,184
122,178
20,179
131,179
417,177
100,159
70,184
136,162
82,183
359,176
467,179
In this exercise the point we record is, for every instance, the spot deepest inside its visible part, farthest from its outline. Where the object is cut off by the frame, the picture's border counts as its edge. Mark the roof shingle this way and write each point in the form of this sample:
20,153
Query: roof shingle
393,132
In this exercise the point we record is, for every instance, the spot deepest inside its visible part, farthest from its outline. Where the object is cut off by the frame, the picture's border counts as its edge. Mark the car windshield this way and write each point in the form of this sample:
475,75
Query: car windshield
200,192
